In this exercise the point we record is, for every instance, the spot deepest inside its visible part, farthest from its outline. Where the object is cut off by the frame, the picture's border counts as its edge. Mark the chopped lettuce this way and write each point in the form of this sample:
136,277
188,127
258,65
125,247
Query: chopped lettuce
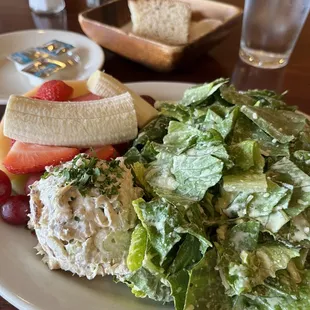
188,164
205,290
145,283
245,129
283,126
282,293
297,231
166,223
199,94
212,120
165,246
231,95
301,159
175,111
188,254
244,263
246,155
225,219
139,171
152,132
137,248
248,182
269,99
287,173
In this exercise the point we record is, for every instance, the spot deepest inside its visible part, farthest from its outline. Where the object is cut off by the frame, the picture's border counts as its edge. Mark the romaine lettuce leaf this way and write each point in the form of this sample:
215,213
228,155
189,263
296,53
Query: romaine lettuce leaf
231,95
269,99
175,111
166,223
188,164
148,152
282,293
139,171
211,120
205,290
133,156
160,220
283,126
286,172
196,174
244,236
180,137
197,95
303,140
247,182
301,159
264,204
245,129
256,205
297,231
274,221
246,155
221,108
154,131
244,263
145,283
179,287
168,243
137,248
189,253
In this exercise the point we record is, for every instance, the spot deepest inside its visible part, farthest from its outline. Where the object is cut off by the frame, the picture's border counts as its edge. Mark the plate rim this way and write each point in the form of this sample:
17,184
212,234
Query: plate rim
101,57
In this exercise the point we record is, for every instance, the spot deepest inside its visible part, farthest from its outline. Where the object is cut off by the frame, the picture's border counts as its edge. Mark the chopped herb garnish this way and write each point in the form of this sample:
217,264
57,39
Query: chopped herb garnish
85,175
45,175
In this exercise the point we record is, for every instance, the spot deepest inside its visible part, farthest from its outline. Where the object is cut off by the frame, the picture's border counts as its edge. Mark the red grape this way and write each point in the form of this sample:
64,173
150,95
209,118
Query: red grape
5,187
31,179
148,99
15,211
122,148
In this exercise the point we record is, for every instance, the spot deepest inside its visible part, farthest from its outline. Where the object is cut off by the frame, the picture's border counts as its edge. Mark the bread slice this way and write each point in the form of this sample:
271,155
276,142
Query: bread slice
167,21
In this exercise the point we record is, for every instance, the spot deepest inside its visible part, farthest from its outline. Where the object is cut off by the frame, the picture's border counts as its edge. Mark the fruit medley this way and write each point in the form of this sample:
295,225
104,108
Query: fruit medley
24,163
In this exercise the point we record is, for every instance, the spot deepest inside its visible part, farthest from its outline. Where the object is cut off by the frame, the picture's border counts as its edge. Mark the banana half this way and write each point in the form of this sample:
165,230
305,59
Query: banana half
105,85
76,124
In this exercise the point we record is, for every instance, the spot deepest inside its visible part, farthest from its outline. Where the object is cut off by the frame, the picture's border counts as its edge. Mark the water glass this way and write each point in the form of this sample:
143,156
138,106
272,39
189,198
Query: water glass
270,30
47,6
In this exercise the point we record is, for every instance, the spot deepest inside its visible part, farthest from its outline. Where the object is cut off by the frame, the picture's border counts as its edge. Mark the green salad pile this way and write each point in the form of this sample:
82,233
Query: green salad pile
225,220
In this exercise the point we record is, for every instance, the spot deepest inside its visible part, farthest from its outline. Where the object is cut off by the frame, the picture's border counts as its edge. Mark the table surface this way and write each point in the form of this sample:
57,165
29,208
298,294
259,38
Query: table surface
221,61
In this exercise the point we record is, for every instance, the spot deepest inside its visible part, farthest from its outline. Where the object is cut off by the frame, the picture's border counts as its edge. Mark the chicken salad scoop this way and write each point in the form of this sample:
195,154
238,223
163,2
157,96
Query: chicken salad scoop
83,216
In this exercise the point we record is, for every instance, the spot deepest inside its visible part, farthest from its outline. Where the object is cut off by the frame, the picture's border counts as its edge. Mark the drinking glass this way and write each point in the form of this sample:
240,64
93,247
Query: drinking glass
270,30
47,6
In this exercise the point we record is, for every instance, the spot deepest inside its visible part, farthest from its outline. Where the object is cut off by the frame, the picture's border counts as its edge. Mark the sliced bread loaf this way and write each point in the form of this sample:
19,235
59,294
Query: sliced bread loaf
167,21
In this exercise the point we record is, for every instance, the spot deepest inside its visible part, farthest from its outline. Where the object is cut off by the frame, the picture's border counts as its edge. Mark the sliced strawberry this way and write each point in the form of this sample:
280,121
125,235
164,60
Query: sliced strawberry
12,142
87,97
54,90
106,152
27,158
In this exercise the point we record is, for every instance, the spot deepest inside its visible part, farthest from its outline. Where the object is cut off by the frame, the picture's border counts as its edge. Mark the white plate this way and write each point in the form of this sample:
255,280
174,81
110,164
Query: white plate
28,284
13,82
